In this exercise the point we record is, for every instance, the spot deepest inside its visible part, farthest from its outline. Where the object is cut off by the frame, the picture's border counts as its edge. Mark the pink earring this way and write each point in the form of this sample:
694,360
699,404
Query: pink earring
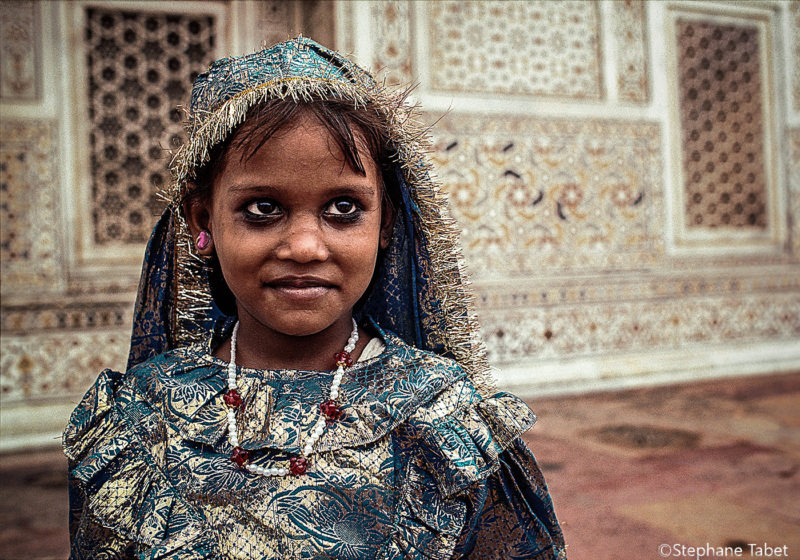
203,239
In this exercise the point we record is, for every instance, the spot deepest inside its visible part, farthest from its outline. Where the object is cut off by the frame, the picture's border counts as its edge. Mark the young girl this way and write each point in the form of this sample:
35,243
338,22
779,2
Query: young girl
305,377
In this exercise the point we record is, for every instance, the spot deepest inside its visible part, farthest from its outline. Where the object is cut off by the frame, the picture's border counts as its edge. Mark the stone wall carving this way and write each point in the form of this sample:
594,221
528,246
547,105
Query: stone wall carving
393,47
73,315
635,325
534,194
550,288
629,21
58,364
793,163
140,67
536,48
29,207
19,51
722,139
794,25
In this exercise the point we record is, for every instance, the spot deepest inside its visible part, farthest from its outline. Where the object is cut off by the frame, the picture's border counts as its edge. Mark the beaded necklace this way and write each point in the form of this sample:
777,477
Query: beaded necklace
329,409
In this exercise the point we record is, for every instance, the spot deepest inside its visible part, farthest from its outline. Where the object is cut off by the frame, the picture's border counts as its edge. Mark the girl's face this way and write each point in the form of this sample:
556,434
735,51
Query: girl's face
296,230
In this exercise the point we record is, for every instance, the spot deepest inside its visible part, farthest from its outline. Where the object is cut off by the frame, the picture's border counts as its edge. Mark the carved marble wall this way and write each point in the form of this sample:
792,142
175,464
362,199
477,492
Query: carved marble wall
574,201
553,132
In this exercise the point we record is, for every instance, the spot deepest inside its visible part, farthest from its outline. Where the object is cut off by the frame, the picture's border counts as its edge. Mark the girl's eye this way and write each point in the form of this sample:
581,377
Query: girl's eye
263,208
342,207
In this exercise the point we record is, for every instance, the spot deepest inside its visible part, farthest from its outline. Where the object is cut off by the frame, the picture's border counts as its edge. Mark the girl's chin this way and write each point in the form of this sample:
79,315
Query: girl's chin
300,323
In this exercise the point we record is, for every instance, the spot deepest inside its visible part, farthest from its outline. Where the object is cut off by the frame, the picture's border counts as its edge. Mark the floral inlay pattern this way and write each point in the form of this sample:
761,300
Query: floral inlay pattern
532,193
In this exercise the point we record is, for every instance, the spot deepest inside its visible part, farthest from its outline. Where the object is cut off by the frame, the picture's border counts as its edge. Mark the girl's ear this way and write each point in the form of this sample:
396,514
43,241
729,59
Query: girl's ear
196,210
387,222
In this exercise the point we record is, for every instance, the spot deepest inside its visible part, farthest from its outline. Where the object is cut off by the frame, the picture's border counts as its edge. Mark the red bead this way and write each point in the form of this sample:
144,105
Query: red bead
343,358
232,398
331,410
240,456
298,465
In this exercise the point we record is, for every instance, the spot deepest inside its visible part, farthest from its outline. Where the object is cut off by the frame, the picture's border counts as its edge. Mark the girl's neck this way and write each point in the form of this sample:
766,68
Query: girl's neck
260,347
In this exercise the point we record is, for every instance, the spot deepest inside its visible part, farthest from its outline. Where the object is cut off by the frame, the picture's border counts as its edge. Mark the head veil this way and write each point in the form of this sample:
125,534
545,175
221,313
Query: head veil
419,292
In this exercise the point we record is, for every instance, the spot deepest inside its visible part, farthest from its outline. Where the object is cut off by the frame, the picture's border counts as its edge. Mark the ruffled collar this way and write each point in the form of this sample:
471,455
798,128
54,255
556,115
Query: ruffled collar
280,406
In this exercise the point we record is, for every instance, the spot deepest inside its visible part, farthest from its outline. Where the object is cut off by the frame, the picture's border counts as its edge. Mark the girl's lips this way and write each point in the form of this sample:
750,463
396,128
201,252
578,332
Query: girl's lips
300,293
301,288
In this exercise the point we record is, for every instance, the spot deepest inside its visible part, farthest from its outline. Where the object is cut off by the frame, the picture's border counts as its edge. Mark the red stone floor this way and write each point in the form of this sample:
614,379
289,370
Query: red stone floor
707,464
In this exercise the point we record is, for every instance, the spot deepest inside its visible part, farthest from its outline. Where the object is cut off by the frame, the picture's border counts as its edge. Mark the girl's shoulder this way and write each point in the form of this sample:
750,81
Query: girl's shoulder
118,489
457,432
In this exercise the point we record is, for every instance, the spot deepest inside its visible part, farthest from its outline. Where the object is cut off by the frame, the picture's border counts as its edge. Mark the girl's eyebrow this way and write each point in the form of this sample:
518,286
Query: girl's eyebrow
364,190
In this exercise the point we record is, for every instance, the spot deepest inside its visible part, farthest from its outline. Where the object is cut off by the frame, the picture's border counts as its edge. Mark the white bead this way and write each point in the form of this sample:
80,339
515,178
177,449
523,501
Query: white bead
318,430
308,450
334,394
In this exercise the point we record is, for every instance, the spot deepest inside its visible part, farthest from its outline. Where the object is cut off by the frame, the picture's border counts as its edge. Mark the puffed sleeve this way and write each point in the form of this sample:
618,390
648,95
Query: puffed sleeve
90,425
511,514
121,504
485,479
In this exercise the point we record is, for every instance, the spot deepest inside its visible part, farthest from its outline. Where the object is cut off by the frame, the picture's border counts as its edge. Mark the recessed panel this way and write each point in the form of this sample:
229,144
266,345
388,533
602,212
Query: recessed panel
140,66
535,48
722,124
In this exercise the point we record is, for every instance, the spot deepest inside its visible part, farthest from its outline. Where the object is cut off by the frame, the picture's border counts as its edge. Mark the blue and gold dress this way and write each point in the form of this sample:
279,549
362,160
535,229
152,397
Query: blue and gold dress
426,461
420,466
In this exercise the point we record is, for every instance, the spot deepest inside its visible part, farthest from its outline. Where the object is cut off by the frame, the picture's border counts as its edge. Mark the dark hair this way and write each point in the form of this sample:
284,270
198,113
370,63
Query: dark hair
344,120
340,117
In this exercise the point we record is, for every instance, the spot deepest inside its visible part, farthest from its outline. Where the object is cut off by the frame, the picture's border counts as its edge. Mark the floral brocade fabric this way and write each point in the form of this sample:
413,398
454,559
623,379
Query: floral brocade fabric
420,466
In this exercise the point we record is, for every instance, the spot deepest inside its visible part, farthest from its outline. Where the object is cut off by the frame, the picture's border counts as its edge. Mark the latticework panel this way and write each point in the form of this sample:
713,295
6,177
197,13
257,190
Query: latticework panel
140,66
721,115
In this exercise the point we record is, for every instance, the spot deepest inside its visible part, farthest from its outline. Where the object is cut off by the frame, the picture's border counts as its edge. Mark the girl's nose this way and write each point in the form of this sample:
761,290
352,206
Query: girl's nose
303,242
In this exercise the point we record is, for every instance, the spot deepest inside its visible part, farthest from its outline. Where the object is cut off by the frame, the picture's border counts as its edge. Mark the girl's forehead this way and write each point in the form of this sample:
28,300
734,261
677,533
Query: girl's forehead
301,140
299,154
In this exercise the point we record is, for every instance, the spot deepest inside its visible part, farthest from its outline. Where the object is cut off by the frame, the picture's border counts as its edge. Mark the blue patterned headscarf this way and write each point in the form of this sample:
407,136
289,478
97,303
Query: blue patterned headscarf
419,291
